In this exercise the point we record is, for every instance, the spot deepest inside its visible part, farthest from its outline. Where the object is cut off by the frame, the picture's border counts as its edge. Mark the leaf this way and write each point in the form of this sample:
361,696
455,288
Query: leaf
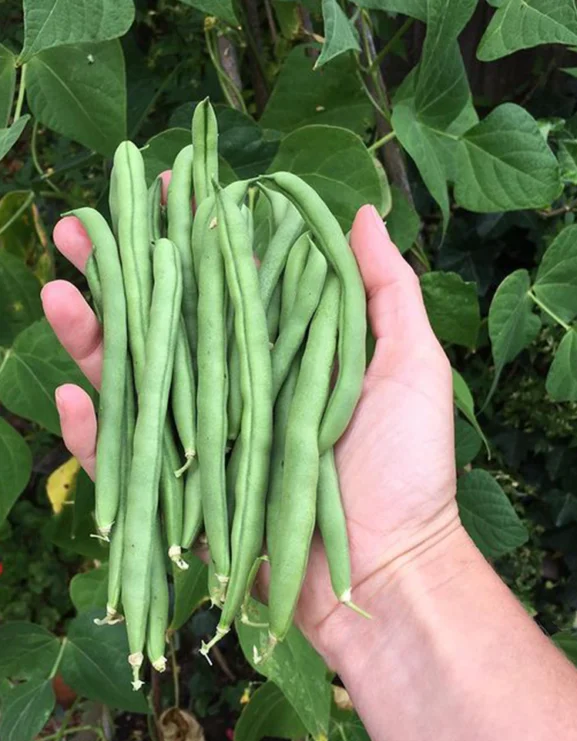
340,36
512,324
25,710
268,713
467,443
556,282
347,726
9,136
28,651
504,164
465,404
79,91
414,8
190,590
94,664
295,667
522,24
60,484
561,381
303,96
50,23
32,370
222,9
89,589
403,222
7,83
567,642
452,306
243,143
337,164
19,298
15,467
488,515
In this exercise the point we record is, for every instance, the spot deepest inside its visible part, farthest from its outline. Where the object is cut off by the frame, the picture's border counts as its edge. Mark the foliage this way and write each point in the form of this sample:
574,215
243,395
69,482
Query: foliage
480,199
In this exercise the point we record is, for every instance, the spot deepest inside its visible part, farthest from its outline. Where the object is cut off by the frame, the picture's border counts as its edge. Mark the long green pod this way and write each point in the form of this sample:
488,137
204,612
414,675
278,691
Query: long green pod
295,265
159,603
193,517
212,394
301,464
205,143
108,470
155,225
142,495
179,218
352,324
279,206
172,496
295,327
256,386
273,313
183,398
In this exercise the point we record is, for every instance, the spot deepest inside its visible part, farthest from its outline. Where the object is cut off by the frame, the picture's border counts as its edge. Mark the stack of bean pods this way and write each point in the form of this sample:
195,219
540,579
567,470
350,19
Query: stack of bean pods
217,412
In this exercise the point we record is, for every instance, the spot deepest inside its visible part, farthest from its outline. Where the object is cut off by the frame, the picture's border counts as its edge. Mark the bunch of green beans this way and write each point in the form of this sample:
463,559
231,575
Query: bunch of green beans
217,412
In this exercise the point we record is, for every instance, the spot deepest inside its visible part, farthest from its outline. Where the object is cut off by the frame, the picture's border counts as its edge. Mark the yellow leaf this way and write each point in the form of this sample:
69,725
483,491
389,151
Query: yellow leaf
61,482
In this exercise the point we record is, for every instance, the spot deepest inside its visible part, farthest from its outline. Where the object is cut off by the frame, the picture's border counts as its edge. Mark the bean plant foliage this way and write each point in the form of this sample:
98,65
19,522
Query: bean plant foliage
370,101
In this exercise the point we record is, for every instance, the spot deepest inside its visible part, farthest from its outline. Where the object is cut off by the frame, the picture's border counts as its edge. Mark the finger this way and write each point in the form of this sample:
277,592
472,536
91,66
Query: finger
78,423
72,241
76,326
165,177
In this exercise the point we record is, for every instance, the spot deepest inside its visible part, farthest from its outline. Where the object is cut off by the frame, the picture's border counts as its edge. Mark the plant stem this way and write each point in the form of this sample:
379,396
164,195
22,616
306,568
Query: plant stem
76,729
231,92
548,311
66,720
399,33
383,140
58,659
21,90
18,213
175,672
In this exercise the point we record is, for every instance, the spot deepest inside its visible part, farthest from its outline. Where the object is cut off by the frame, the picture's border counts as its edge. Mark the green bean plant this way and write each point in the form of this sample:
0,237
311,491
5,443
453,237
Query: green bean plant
413,106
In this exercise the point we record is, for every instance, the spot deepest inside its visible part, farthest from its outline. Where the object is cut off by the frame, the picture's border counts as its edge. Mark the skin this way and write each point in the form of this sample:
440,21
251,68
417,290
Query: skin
449,649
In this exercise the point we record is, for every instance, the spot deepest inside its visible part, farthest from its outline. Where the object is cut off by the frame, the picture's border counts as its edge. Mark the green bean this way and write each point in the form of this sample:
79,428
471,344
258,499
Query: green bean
301,464
205,142
279,206
256,428
108,483
293,273
142,495
179,214
155,226
183,398
193,518
296,324
113,202
212,391
172,496
247,213
273,313
276,255
158,613
352,322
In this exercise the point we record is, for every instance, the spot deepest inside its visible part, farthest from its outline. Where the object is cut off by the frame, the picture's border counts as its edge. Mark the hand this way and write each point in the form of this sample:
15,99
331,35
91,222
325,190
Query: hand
396,460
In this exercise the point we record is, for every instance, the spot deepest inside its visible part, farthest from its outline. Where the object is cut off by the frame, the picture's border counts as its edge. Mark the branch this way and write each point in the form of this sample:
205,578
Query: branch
256,54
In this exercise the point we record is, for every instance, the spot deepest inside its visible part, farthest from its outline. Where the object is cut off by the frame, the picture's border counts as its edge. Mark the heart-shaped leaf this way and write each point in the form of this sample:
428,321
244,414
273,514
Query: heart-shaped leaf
15,467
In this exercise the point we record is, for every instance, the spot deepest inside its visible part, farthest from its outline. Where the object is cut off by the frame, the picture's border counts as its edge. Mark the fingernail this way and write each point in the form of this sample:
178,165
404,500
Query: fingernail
379,223
59,400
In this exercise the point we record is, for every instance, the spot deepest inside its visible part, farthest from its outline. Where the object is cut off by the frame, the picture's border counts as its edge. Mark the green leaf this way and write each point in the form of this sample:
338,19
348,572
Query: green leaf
7,83
268,713
567,642
488,515
95,665
19,298
30,373
243,143
303,96
556,282
561,381
403,222
25,710
190,590
295,667
222,9
504,164
347,726
346,182
567,156
50,23
512,324
465,404
80,91
89,589
414,8
521,24
452,306
28,651
15,467
467,443
9,136
340,35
